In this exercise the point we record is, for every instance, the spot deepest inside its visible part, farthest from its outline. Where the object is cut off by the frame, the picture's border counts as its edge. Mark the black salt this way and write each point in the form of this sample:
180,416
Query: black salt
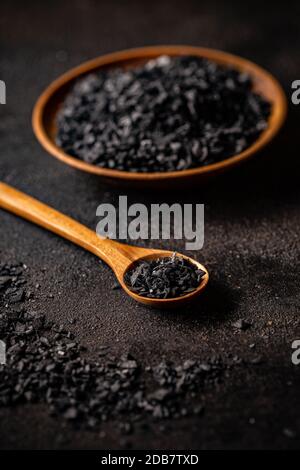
170,114
164,278
45,367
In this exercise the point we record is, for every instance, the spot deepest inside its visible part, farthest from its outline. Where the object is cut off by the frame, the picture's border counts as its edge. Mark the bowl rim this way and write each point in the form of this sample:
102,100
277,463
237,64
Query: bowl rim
276,119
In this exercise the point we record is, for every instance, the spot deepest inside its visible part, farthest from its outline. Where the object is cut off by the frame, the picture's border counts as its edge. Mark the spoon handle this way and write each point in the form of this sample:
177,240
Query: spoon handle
115,254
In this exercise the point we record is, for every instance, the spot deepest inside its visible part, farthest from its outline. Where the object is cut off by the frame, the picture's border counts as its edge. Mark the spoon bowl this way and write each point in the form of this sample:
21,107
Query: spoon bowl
49,103
169,303
119,256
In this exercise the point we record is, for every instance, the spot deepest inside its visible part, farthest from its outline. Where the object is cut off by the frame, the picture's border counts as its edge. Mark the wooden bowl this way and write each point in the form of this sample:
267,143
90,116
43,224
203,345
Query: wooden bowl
45,111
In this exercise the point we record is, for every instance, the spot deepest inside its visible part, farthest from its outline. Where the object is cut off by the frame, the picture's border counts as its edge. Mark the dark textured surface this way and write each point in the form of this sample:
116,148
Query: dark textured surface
170,114
251,237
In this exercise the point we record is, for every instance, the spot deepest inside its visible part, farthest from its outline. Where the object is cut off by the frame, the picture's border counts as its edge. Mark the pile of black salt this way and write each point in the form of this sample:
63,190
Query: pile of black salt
47,365
164,278
170,114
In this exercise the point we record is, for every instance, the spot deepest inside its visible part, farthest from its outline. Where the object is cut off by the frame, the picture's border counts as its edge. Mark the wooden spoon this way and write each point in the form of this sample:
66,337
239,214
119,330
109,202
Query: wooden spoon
118,256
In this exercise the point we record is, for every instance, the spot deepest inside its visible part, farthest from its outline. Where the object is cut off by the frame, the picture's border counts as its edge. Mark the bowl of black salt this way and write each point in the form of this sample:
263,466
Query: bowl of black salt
170,278
160,116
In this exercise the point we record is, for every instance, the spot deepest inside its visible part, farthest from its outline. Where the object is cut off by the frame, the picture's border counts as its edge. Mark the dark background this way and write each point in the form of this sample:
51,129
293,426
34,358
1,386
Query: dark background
251,232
